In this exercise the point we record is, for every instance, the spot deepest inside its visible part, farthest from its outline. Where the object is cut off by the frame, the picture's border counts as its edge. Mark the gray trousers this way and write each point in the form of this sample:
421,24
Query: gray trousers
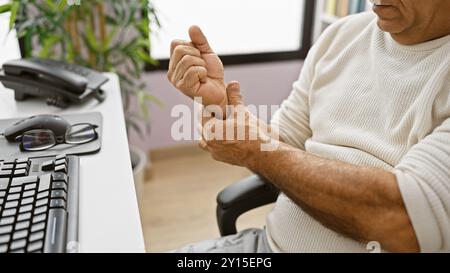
247,241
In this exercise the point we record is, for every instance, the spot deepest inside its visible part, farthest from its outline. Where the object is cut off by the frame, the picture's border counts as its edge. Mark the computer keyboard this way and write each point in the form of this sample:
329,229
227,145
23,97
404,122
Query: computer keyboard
39,204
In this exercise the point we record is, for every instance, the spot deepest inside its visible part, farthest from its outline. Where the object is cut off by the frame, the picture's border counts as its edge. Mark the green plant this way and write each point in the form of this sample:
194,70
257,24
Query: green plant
107,35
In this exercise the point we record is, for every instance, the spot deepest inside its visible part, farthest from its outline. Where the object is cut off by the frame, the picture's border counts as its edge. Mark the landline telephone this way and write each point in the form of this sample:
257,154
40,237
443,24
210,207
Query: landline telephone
61,84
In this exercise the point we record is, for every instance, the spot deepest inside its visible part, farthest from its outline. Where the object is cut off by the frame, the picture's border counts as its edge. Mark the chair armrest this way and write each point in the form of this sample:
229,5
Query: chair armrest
245,195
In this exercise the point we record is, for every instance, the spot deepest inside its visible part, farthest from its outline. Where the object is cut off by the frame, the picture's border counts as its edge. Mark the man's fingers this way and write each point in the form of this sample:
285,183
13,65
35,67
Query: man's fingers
199,40
176,43
194,76
179,52
234,93
184,64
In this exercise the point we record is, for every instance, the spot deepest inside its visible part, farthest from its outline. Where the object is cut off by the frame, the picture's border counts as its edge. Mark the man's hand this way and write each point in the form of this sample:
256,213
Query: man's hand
248,133
196,70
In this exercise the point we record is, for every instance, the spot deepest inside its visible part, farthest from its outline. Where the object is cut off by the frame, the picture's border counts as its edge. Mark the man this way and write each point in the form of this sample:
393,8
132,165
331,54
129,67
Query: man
364,150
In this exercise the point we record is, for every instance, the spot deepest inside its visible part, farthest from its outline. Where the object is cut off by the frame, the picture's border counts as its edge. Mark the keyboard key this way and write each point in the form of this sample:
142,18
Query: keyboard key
15,189
42,195
19,250
22,225
3,248
24,216
60,161
26,208
41,202
36,236
2,194
40,210
58,194
34,246
4,184
39,218
27,201
44,182
28,193
20,172
6,229
61,168
9,212
21,166
6,221
8,166
20,234
56,231
57,203
59,177
5,173
24,180
4,238
30,186
38,227
48,166
1,202
13,196
22,160
59,186
18,244
11,204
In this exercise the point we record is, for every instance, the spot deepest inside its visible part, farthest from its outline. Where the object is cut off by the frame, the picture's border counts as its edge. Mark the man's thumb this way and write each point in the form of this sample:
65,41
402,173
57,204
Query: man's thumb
199,40
234,94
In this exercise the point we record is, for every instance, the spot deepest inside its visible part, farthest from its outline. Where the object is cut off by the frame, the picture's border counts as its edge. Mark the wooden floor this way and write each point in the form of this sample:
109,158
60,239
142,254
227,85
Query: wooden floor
179,200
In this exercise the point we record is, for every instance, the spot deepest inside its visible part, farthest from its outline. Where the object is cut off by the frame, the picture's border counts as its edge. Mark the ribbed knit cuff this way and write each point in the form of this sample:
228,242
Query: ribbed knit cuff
420,213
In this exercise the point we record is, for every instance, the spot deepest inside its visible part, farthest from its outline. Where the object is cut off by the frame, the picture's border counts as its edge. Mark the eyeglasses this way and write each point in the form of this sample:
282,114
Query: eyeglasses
43,139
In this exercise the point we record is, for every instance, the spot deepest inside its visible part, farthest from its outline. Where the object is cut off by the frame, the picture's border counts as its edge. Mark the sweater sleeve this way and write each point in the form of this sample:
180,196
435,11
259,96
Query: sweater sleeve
292,118
423,177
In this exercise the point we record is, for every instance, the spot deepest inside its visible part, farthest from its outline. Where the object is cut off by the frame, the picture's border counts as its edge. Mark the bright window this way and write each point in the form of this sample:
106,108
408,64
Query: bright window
233,27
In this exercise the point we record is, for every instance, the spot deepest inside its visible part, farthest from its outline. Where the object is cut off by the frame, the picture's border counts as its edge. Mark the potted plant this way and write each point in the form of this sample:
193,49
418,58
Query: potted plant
106,35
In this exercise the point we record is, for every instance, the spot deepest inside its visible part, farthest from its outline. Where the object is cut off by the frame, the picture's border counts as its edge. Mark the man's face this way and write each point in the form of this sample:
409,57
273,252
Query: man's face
399,16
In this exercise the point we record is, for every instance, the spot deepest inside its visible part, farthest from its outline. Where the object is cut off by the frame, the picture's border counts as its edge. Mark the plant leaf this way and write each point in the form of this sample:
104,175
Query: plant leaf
49,45
14,9
5,8
50,4
155,100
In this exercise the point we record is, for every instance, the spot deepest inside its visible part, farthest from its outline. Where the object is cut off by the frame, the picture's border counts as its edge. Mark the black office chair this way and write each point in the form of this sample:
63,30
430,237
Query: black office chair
247,194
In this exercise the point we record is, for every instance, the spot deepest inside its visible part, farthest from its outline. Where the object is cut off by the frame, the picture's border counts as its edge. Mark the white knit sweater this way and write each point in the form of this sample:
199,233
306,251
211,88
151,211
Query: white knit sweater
364,99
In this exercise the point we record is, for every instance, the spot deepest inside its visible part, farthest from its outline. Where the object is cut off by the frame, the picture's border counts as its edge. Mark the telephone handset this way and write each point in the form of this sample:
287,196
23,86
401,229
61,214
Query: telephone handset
60,83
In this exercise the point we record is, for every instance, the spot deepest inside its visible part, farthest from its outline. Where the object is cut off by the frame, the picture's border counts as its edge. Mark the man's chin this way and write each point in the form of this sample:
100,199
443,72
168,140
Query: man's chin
390,26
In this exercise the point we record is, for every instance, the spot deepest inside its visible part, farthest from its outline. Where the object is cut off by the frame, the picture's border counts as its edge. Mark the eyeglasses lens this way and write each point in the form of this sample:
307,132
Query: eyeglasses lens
37,140
81,133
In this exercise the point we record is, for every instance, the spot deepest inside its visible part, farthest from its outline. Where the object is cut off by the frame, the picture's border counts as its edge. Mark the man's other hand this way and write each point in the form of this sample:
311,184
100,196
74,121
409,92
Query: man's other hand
248,133
196,70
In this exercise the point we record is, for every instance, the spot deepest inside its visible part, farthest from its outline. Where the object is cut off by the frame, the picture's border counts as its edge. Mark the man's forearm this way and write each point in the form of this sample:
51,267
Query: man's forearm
362,203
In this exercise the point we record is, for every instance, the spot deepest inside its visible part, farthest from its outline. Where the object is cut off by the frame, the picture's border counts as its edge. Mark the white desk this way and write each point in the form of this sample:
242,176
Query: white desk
109,215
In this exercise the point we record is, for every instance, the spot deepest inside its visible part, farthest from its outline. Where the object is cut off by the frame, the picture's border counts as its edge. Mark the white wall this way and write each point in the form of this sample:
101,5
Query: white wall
262,84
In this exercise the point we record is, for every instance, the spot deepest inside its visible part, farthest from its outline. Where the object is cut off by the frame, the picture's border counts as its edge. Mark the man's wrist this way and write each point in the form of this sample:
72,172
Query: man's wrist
251,159
258,153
